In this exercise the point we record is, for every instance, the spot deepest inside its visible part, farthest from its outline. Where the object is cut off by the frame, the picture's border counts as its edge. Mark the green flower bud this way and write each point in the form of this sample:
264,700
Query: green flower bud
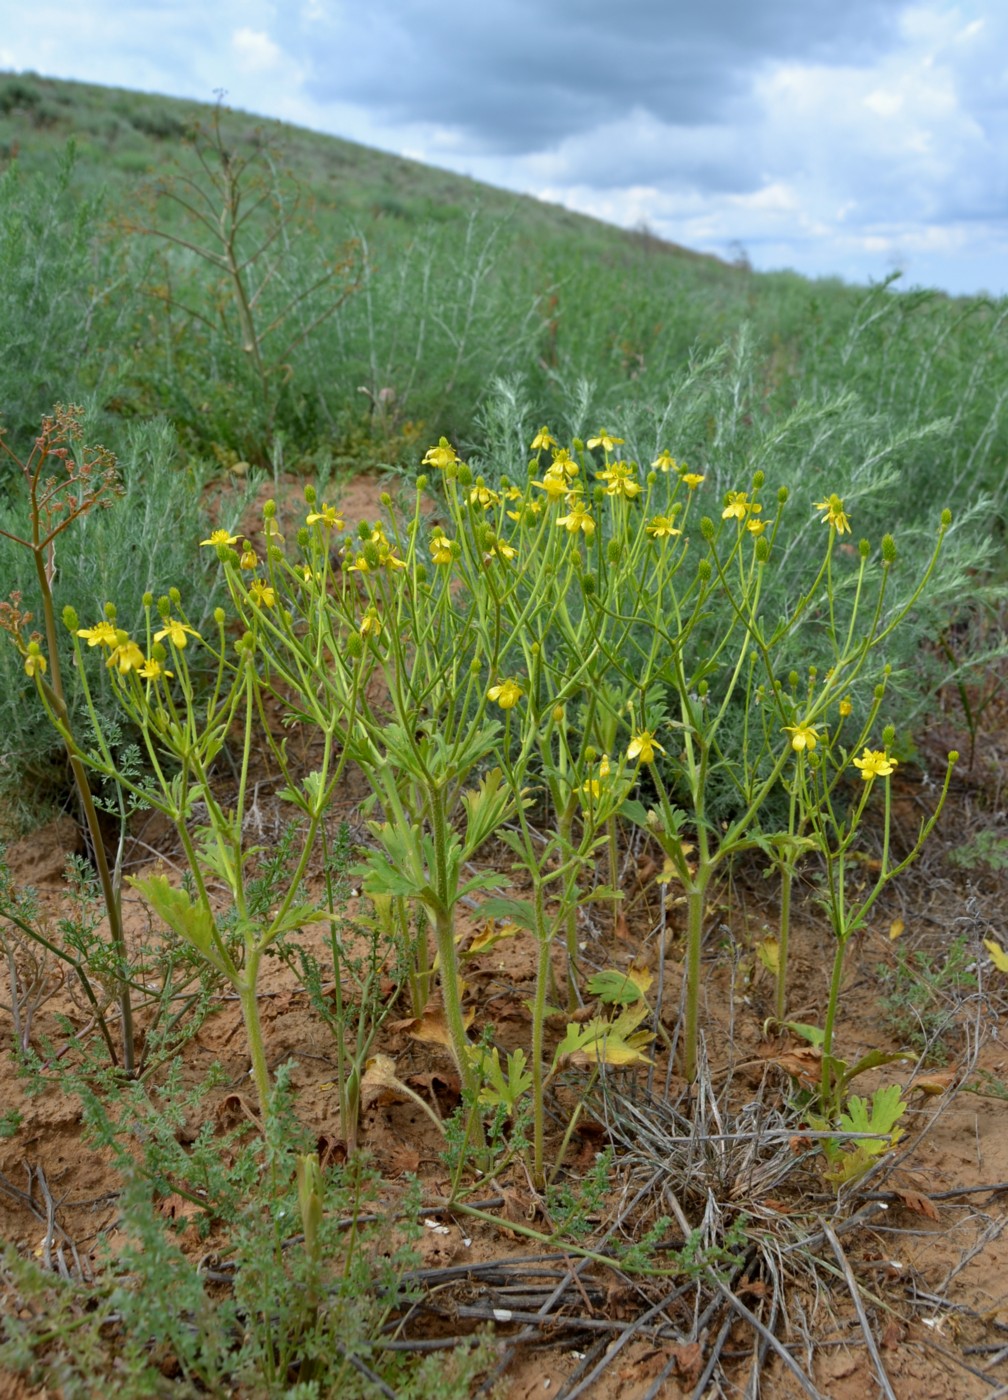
175,596
354,646
879,692
310,495
946,520
598,493
110,612
385,499
70,619
421,482
164,605
148,600
864,548
614,551
275,553
704,570
577,445
707,527
159,652
475,666
758,479
702,688
303,537
286,617
782,495
372,554
421,573
888,549
762,549
588,584
269,509
889,735
465,475
363,530
953,757
558,714
652,478
219,616
535,649
793,679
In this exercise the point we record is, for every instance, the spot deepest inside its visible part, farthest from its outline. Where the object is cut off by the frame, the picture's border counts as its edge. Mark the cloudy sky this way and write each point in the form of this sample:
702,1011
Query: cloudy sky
835,137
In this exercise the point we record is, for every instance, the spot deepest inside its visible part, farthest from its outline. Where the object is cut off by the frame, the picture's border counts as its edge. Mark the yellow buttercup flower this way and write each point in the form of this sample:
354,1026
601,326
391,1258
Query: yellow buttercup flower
103,635
482,496
126,656
755,527
845,707
440,547
605,440
249,559
619,481
35,664
803,736
371,624
554,483
502,550
834,514
665,462
564,462
152,670
875,763
643,746
692,479
175,631
739,506
219,537
261,593
543,440
328,517
579,518
506,694
441,456
660,527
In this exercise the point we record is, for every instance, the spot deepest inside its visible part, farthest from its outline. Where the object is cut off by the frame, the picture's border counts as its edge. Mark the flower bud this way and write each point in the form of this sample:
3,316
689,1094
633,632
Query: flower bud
275,554
758,479
372,555
704,570
762,549
148,600
475,666
707,527
110,612
269,509
310,495
614,550
465,475
558,714
864,548
953,757
888,549
175,596
303,537
70,619
782,495
164,605
702,688
577,445
385,499
158,652
354,647
879,692
219,616
363,530
421,573
889,735
946,518
588,584
421,482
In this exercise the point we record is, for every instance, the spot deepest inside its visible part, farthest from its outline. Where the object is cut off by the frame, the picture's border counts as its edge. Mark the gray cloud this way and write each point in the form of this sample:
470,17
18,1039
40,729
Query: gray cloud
518,76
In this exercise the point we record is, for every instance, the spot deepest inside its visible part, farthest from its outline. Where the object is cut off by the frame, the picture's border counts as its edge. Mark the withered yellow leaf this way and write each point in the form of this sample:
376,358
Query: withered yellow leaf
998,955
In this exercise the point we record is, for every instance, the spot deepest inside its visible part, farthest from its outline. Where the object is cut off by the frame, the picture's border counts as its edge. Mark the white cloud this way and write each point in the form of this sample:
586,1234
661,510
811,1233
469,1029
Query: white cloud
255,51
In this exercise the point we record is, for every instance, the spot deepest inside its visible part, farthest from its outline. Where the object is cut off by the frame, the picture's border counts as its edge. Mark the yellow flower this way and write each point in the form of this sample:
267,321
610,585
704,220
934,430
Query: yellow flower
592,788
644,747
834,514
481,495
665,462
542,440
328,516
152,670
605,440
874,763
126,657
692,479
846,708
261,593
175,631
660,527
249,559
104,635
440,547
506,694
441,456
370,624
219,537
578,519
739,506
502,550
35,664
803,736
604,766
271,530
755,527
554,483
564,462
619,480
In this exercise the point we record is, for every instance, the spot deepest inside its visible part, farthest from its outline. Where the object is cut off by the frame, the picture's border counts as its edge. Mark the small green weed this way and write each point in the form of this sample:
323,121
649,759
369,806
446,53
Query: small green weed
921,995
